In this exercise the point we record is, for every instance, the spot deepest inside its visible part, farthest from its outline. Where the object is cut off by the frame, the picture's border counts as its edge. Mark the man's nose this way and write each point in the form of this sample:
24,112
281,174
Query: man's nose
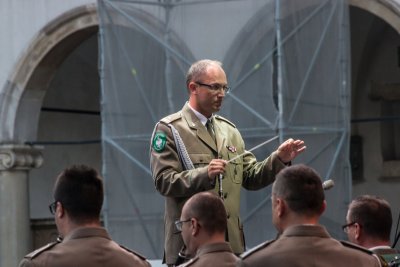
221,92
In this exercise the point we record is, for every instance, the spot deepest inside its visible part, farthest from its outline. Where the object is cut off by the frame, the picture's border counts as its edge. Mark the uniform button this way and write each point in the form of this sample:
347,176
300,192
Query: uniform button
225,195
228,215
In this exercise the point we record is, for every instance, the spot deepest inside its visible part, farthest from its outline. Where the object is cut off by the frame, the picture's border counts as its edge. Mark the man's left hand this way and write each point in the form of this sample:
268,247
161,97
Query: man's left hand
289,149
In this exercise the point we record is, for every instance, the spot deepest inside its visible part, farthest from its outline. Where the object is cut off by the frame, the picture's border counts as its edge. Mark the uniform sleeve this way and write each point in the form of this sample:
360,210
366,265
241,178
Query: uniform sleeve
240,263
169,177
257,175
25,263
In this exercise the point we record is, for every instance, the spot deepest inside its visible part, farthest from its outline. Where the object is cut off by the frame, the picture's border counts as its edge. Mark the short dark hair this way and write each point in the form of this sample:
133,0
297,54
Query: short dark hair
199,68
373,214
209,209
301,187
79,189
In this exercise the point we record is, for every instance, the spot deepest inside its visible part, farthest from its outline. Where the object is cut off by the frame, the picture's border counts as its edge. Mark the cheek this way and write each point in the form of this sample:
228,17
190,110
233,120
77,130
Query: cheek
351,237
185,234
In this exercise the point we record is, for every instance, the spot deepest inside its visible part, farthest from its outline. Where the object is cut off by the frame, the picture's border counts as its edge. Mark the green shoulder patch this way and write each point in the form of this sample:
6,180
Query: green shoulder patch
159,141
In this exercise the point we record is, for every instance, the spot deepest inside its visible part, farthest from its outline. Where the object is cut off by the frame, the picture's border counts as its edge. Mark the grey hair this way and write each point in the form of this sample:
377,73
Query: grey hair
199,68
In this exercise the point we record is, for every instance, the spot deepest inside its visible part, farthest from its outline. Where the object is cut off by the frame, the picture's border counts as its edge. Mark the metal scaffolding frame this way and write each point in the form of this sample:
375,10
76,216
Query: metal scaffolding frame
281,124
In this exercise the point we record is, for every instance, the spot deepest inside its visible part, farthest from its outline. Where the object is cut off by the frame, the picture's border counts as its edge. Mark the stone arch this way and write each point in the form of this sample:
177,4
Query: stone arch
377,94
32,74
387,10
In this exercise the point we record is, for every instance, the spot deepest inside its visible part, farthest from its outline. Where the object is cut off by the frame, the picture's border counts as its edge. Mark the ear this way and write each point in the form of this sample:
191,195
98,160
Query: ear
357,231
323,207
280,207
192,88
195,226
60,211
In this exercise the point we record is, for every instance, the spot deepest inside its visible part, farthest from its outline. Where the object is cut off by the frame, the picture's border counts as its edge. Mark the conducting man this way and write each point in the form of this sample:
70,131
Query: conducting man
190,148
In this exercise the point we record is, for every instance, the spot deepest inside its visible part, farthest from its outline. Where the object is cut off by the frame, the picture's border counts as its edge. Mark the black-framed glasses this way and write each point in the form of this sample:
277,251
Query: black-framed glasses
345,227
52,207
178,224
215,87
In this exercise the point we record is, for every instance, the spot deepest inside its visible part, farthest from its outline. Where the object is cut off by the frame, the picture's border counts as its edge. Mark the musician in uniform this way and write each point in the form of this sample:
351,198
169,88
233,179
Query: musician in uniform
203,226
297,202
190,148
78,195
368,224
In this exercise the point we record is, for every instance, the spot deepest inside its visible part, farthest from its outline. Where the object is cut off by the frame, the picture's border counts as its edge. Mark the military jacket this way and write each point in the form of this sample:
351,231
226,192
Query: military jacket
216,254
307,245
84,247
388,256
178,184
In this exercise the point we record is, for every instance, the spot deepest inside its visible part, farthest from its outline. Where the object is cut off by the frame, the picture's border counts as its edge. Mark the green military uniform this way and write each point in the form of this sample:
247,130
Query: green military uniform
305,246
177,184
388,256
215,254
85,246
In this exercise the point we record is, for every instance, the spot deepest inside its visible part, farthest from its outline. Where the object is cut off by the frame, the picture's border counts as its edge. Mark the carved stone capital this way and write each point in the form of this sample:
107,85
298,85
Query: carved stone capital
20,157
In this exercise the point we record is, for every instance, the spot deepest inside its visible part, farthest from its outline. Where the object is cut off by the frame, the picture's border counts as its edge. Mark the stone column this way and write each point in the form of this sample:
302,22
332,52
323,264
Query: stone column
15,234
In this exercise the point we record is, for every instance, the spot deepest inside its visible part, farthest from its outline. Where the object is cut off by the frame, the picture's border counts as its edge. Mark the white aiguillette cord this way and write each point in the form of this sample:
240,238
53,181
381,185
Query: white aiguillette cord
221,176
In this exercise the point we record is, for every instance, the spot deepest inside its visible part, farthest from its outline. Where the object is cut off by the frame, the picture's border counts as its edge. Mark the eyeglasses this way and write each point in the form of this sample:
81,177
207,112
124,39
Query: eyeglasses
53,207
345,227
178,224
215,87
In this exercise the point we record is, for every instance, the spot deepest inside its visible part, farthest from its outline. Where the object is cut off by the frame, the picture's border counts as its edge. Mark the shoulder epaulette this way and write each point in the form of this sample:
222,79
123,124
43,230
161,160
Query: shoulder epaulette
37,252
190,262
134,252
225,120
256,248
354,246
172,117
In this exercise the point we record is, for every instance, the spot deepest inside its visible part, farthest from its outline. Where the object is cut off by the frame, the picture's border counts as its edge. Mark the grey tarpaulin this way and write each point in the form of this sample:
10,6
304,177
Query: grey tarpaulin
287,63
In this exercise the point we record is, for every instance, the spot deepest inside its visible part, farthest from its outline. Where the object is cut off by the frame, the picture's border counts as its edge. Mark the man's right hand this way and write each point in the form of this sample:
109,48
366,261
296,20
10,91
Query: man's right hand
216,167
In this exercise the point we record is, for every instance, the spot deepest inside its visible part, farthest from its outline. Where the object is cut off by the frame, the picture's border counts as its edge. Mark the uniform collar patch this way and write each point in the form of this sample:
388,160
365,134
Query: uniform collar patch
159,141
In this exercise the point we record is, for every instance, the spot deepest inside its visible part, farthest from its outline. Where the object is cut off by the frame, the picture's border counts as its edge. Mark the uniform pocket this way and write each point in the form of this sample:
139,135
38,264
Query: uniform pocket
200,160
235,169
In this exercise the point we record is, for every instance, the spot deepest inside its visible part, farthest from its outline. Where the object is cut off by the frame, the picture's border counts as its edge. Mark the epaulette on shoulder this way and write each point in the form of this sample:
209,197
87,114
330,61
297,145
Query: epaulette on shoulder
172,117
189,262
256,248
354,246
37,252
225,120
134,252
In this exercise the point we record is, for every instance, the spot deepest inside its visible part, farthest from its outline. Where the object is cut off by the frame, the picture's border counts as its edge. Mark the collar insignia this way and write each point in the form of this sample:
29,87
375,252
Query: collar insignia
231,149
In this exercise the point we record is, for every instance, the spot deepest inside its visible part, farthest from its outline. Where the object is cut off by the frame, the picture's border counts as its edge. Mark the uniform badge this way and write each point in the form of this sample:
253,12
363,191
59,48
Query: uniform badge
231,149
159,141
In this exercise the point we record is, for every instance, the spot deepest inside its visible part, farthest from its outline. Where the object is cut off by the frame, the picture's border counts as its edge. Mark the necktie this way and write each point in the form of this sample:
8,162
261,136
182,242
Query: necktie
210,129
